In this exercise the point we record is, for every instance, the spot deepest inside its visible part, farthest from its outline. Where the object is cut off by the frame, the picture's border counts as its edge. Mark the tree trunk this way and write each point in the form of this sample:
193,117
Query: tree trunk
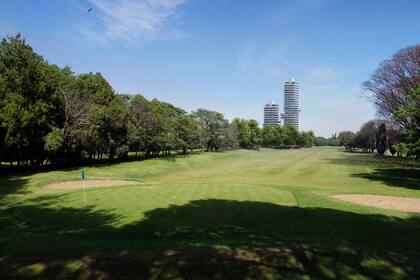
111,155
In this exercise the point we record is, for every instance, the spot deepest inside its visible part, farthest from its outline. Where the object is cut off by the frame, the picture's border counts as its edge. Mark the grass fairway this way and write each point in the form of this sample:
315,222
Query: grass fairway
233,215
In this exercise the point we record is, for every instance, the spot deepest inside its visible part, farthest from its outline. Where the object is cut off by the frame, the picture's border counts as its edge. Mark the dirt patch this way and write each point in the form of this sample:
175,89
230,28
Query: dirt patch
405,204
89,184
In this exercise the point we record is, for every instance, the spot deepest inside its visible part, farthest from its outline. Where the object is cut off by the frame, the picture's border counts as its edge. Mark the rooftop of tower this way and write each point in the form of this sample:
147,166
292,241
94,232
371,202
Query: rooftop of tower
291,81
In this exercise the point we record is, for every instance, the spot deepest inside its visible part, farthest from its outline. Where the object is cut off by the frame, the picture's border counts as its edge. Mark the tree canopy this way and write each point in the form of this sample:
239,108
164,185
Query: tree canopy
395,90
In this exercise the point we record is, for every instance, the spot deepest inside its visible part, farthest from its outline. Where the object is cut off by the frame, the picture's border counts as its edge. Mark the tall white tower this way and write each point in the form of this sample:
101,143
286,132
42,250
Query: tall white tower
271,114
291,103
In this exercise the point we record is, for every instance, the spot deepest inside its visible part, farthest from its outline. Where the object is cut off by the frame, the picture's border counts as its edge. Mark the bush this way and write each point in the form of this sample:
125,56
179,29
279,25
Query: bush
401,149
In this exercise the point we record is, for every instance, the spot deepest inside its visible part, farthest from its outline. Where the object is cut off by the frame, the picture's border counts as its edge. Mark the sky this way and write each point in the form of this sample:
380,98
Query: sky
232,56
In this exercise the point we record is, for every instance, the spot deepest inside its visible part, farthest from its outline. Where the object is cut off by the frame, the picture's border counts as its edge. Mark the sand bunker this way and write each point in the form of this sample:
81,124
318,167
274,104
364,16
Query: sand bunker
405,204
89,184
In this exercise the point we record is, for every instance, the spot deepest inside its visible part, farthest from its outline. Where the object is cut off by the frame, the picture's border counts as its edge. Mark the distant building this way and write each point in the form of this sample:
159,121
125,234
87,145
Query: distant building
291,103
271,114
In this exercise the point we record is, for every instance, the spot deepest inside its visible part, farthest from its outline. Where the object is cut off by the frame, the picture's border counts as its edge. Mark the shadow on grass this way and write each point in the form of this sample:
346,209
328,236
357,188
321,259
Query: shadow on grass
370,159
396,177
12,185
207,239
388,170
357,152
15,172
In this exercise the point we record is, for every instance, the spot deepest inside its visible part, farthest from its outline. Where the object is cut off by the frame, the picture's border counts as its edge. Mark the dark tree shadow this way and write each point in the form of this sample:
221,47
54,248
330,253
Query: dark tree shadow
207,239
396,177
386,159
12,185
388,170
370,159
28,170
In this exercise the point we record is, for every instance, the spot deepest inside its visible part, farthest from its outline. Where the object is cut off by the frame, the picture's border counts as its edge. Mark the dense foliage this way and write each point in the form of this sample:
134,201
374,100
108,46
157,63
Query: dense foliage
322,141
50,115
381,139
378,135
286,137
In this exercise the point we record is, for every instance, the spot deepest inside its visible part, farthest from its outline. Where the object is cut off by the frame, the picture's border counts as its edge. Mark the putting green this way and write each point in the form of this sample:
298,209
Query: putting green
88,184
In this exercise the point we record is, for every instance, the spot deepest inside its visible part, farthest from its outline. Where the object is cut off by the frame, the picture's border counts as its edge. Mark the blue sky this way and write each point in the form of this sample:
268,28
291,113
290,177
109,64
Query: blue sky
226,55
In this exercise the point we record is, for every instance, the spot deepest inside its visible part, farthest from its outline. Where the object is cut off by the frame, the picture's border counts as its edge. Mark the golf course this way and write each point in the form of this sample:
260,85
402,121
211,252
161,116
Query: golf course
233,215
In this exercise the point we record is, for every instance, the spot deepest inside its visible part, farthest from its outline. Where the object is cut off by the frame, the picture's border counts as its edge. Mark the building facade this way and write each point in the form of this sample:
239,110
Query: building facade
291,103
271,114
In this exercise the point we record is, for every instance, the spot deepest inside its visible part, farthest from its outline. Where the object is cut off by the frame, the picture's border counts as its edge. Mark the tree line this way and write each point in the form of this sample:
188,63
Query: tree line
251,136
52,116
331,141
394,88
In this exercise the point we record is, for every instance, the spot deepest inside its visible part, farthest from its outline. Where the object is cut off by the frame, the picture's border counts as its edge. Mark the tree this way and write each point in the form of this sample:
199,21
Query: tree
113,127
392,85
321,141
29,100
188,133
301,140
395,90
412,113
249,133
395,134
97,119
291,135
142,122
381,140
96,87
346,138
151,132
333,141
268,135
309,138
215,126
166,109
167,138
244,133
54,143
401,149
255,134
286,137
367,136
232,136
76,116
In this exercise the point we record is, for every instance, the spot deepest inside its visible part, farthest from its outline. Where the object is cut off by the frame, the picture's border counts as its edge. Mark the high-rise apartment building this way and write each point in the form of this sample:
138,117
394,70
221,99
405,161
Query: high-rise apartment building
291,103
271,114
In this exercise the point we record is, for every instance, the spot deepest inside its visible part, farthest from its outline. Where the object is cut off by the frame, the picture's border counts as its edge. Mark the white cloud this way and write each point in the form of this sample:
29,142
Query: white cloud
129,20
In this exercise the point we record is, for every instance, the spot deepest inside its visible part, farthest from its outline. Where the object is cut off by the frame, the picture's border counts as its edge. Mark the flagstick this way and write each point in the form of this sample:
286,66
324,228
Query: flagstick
84,191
